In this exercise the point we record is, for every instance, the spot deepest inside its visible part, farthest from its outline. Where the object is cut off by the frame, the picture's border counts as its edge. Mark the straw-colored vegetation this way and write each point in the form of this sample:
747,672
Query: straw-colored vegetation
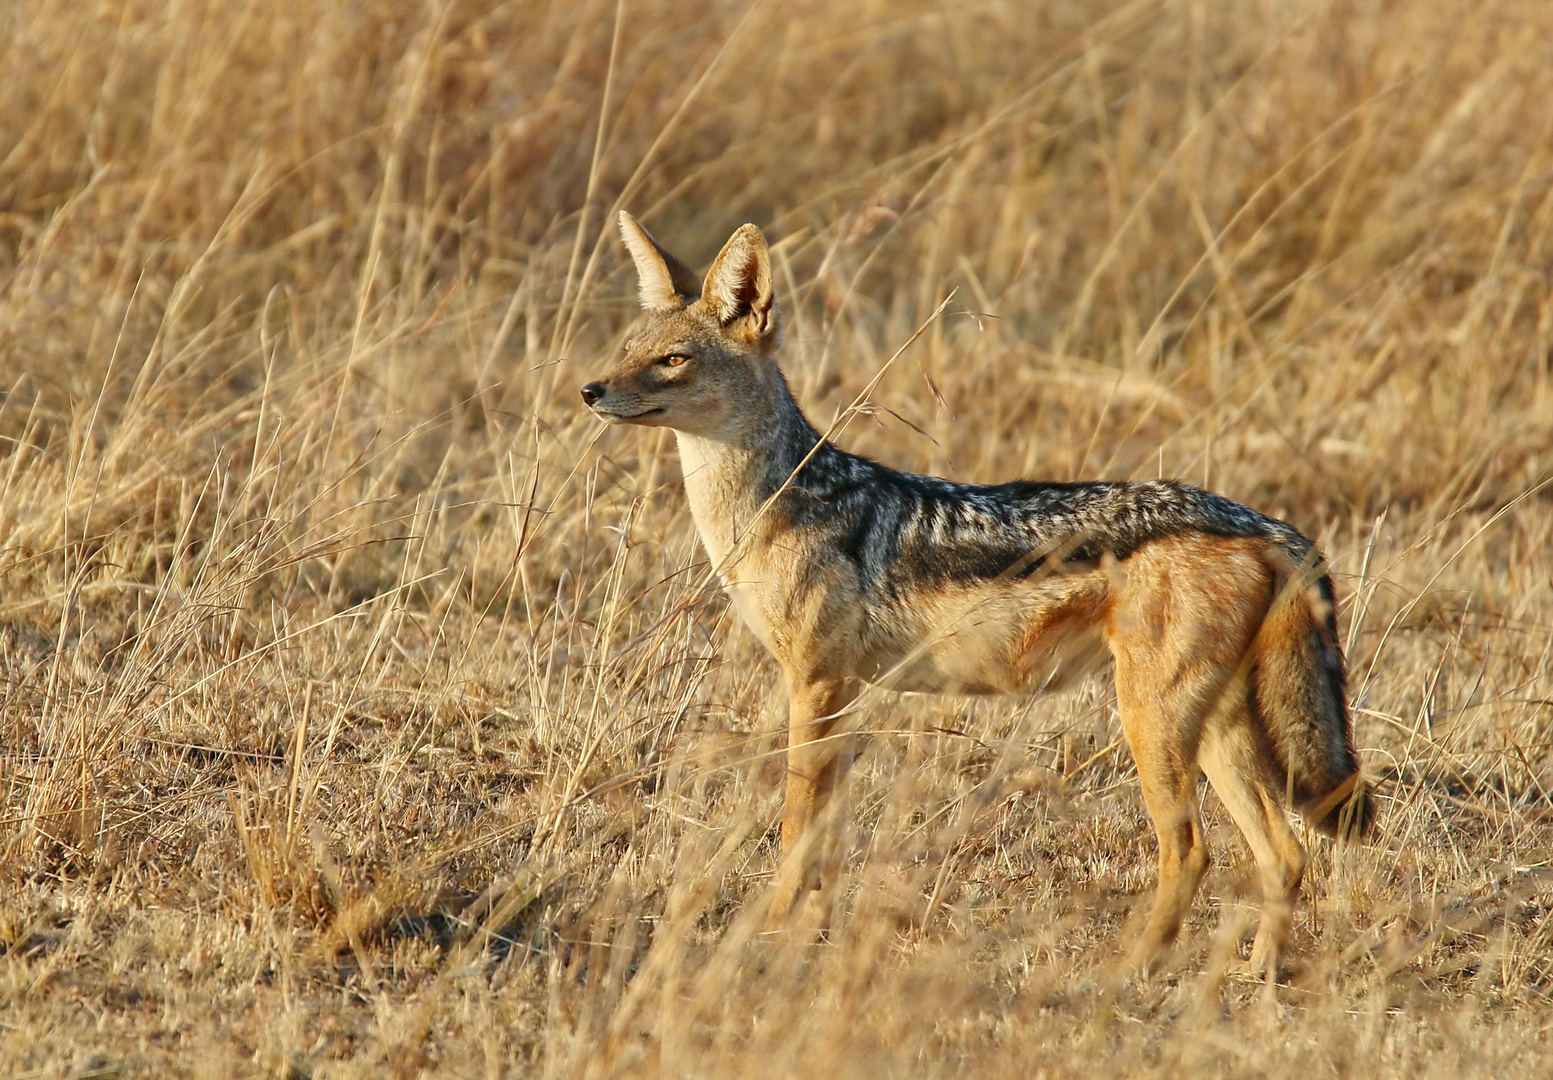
366,710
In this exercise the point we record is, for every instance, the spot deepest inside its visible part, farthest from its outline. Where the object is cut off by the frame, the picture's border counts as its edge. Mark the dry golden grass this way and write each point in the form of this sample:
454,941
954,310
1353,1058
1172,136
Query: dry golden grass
365,712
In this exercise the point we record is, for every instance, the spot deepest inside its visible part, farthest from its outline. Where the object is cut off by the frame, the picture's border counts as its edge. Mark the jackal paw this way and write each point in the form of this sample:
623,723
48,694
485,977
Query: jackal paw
808,913
1268,960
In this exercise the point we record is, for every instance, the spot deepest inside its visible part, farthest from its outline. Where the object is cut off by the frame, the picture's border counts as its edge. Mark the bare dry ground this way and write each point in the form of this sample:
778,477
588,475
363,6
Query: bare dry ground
367,710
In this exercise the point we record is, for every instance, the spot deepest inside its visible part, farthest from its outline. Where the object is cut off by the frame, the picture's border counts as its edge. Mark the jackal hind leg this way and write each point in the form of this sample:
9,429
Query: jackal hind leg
1186,610
1238,767
1166,689
816,762
1168,775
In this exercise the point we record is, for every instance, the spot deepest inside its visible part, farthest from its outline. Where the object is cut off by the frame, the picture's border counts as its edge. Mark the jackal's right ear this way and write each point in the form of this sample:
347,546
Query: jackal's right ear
739,283
663,282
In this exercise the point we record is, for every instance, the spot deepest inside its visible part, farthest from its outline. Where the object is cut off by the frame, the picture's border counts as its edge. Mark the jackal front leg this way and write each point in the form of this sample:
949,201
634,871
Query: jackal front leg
816,760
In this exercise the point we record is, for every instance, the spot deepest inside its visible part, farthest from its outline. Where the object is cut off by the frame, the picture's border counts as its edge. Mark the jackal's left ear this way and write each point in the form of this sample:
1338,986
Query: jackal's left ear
663,282
738,285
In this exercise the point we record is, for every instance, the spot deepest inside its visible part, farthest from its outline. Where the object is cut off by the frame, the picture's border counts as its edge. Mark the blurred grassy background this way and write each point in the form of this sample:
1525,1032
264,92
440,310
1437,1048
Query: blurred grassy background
364,712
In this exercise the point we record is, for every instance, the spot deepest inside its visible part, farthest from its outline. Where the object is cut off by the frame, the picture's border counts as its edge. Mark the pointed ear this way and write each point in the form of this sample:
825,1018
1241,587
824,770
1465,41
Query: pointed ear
663,282
739,283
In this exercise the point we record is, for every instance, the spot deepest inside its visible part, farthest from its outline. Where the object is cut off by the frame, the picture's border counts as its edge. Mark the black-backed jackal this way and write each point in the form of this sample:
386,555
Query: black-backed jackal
1220,621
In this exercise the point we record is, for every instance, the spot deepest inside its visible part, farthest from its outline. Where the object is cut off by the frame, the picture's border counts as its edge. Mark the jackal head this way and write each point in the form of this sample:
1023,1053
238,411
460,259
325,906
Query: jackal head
701,359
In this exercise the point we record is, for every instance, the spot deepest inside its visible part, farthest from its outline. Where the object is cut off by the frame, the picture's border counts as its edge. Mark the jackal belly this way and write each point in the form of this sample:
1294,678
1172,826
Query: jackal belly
1007,637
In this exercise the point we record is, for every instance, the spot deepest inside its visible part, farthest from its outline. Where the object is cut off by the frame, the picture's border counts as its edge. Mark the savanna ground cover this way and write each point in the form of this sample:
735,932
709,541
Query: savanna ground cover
367,709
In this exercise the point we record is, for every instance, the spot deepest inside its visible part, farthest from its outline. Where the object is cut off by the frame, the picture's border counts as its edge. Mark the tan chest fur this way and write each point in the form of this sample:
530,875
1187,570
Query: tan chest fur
723,511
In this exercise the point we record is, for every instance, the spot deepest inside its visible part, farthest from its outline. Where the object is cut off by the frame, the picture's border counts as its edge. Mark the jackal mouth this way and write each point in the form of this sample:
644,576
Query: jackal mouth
623,418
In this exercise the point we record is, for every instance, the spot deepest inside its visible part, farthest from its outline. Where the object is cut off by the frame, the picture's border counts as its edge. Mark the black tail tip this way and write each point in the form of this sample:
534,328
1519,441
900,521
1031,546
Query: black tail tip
1346,813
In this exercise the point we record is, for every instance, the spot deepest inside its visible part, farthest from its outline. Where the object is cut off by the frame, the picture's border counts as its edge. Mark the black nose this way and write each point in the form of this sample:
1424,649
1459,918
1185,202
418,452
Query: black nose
592,392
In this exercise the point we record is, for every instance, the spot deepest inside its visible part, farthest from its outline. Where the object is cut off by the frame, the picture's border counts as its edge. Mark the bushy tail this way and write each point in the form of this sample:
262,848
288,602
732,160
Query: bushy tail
1300,694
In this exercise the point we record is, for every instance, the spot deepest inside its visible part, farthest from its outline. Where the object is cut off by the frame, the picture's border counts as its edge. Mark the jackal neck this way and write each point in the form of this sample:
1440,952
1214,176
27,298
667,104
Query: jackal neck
728,477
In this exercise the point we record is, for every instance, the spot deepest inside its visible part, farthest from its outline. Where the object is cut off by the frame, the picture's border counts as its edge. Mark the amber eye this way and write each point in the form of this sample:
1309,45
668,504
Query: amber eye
675,359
